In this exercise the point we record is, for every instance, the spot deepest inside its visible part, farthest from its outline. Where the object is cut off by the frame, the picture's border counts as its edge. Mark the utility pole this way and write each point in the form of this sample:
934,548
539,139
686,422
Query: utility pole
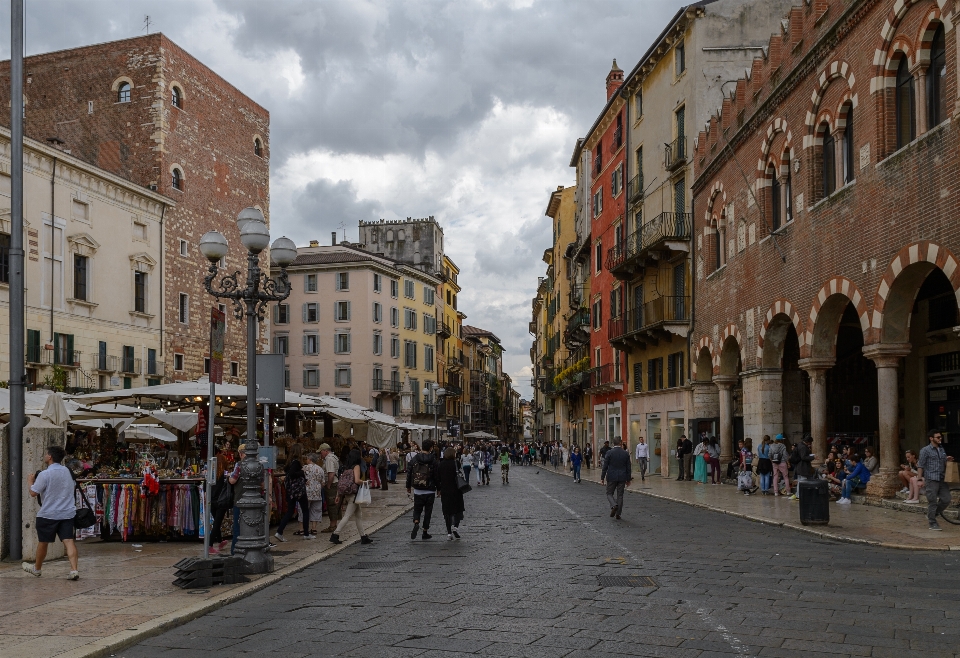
15,433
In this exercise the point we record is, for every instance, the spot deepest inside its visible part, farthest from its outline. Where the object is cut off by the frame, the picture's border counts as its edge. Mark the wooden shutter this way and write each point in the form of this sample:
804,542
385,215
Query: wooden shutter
348,310
671,372
305,345
638,377
652,375
304,378
660,372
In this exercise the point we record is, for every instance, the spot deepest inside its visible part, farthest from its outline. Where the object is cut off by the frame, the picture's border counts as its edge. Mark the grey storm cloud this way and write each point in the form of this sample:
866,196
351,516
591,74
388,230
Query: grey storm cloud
463,109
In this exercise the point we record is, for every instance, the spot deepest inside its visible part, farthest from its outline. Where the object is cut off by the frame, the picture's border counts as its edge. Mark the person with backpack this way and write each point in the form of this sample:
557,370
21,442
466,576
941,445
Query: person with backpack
296,490
353,475
422,481
764,467
451,498
778,460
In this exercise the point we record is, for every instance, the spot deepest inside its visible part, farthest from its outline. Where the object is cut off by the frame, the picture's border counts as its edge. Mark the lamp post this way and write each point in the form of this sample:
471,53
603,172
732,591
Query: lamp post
250,300
433,394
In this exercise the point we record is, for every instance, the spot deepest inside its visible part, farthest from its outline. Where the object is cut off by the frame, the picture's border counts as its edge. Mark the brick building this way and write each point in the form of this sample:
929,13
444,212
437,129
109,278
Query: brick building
145,110
826,282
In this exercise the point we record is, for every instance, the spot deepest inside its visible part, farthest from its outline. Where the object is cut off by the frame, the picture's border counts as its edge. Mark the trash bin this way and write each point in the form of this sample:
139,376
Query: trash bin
814,502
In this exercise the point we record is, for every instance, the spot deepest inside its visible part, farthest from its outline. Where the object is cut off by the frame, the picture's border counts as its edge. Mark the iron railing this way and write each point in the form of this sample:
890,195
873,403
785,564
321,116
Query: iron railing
635,188
130,366
386,385
106,362
675,154
599,376
443,329
655,312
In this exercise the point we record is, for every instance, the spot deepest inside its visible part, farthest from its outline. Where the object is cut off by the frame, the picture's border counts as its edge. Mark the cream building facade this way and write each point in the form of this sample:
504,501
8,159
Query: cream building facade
94,273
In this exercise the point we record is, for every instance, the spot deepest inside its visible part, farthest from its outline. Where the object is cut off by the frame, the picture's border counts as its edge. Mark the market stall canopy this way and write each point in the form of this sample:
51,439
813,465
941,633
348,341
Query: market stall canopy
119,424
479,434
35,401
196,392
149,432
55,411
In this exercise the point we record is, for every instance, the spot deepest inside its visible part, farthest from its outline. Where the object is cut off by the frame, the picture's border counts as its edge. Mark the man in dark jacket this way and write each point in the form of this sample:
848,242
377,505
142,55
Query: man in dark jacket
423,482
617,472
686,468
802,460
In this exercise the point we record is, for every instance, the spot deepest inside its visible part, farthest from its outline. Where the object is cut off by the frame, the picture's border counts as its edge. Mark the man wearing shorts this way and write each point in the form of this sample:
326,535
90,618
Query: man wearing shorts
55,487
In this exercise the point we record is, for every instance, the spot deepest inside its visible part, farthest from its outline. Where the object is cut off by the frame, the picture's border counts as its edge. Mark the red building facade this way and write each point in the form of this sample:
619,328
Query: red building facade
827,281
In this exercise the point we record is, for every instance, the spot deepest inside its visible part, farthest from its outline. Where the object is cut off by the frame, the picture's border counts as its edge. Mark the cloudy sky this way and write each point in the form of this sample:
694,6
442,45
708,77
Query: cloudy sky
466,110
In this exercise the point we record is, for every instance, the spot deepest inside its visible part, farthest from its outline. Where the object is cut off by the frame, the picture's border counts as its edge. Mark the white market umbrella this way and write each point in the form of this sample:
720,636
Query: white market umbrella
149,432
55,411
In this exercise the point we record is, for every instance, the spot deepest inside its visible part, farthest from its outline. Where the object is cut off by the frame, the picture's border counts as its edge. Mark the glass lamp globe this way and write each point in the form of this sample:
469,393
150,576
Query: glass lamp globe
249,215
213,246
283,251
255,236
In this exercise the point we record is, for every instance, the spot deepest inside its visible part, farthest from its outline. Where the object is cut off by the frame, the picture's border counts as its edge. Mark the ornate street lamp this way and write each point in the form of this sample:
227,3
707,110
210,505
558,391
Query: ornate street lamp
432,396
250,300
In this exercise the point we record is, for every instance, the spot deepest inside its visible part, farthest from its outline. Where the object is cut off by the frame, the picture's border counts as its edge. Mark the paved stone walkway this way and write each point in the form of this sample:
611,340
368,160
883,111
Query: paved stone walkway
126,589
529,578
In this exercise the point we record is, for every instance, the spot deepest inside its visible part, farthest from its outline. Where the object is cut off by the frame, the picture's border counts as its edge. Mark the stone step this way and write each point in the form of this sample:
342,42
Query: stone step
898,504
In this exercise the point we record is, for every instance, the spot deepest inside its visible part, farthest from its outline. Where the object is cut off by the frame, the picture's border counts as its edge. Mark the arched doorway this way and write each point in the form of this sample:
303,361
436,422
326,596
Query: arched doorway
706,403
851,387
730,396
781,387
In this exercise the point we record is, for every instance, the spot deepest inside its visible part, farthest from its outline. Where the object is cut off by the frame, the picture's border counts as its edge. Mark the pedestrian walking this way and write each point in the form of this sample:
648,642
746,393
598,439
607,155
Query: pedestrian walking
643,458
802,459
932,468
764,467
221,500
451,498
504,466
617,472
422,482
55,487
296,494
588,455
713,455
351,478
331,470
393,464
314,474
701,459
576,460
382,469
778,460
466,461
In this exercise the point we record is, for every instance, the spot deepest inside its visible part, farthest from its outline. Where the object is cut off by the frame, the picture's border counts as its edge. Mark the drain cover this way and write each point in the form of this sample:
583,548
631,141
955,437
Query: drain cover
377,565
626,581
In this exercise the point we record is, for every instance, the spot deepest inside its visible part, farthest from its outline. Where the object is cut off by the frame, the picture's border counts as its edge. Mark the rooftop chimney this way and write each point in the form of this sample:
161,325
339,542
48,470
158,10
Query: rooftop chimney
614,79
333,238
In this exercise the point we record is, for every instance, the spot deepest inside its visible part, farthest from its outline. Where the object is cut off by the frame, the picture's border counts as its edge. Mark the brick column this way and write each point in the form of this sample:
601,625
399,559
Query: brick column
726,383
887,357
817,370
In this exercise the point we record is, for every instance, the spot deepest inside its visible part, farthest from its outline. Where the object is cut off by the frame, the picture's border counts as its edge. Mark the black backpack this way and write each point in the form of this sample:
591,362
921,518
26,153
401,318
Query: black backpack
422,474
794,458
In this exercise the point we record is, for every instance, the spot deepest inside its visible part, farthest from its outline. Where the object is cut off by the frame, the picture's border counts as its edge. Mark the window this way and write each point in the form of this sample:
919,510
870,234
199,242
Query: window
377,312
394,288
394,316
409,319
206,365
377,343
310,283
128,360
258,147
281,314
598,256
151,359
616,366
718,246
4,258
598,202
788,194
281,344
123,92
377,282
395,346
311,377
675,369
775,216
176,97
937,80
177,180
829,165
448,298
343,376
342,311
184,308
80,276
616,181
655,374
410,356
597,310
429,295
140,292
396,407
638,103
378,404
848,169
286,378
429,324
454,302
311,312
343,281
311,343
341,343
638,376
178,362
408,289
63,349
906,121
184,249
428,358
234,369
680,58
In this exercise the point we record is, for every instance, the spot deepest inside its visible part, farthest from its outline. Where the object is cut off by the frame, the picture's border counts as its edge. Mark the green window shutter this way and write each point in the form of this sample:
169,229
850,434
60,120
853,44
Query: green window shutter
70,349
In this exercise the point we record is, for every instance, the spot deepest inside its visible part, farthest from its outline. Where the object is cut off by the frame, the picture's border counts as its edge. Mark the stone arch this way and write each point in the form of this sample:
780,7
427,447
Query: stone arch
775,128
116,83
731,351
705,364
933,20
848,101
893,302
716,190
887,33
835,69
826,312
779,316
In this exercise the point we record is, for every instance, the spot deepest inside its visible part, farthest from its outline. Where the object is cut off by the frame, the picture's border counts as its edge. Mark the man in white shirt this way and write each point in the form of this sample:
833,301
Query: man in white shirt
55,488
643,458
331,467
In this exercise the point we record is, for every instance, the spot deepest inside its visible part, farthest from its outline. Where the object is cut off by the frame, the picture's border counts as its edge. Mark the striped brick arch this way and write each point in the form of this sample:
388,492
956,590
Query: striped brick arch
835,69
775,128
898,288
779,307
717,190
731,330
705,342
838,285
888,32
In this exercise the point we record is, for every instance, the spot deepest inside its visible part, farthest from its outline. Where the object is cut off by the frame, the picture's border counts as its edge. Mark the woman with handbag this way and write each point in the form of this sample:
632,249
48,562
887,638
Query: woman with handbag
351,480
296,487
451,498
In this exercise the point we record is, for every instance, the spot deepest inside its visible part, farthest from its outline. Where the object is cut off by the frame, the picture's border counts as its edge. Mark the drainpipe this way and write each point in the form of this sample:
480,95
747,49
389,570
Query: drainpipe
53,248
163,255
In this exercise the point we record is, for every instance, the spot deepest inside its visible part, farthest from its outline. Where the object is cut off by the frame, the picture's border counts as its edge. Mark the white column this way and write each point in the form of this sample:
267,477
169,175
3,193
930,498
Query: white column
817,370
887,357
726,383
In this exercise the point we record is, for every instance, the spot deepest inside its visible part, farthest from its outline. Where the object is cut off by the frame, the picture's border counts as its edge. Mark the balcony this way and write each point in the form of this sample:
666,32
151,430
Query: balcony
577,331
66,358
675,154
105,362
617,138
635,189
600,380
130,366
576,295
155,368
659,319
386,386
659,239
597,164
453,390
443,329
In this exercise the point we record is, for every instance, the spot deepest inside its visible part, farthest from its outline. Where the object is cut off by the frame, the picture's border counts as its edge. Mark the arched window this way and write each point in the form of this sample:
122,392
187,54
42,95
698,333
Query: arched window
176,97
776,217
788,193
906,120
257,147
177,180
937,80
848,170
717,244
829,164
123,92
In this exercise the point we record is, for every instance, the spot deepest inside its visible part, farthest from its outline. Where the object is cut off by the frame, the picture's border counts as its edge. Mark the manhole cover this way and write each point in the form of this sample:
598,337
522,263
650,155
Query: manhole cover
625,581
377,565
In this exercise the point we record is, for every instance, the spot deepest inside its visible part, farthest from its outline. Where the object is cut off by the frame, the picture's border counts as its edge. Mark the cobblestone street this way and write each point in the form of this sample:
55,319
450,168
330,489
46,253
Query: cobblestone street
543,571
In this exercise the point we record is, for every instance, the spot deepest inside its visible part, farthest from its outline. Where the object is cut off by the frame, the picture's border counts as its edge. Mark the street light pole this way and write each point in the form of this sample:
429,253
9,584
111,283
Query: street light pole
251,301
434,394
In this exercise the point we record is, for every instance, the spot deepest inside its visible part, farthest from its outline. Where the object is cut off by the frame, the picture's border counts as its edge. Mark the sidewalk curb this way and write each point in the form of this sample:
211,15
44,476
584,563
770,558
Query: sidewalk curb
106,646
780,524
